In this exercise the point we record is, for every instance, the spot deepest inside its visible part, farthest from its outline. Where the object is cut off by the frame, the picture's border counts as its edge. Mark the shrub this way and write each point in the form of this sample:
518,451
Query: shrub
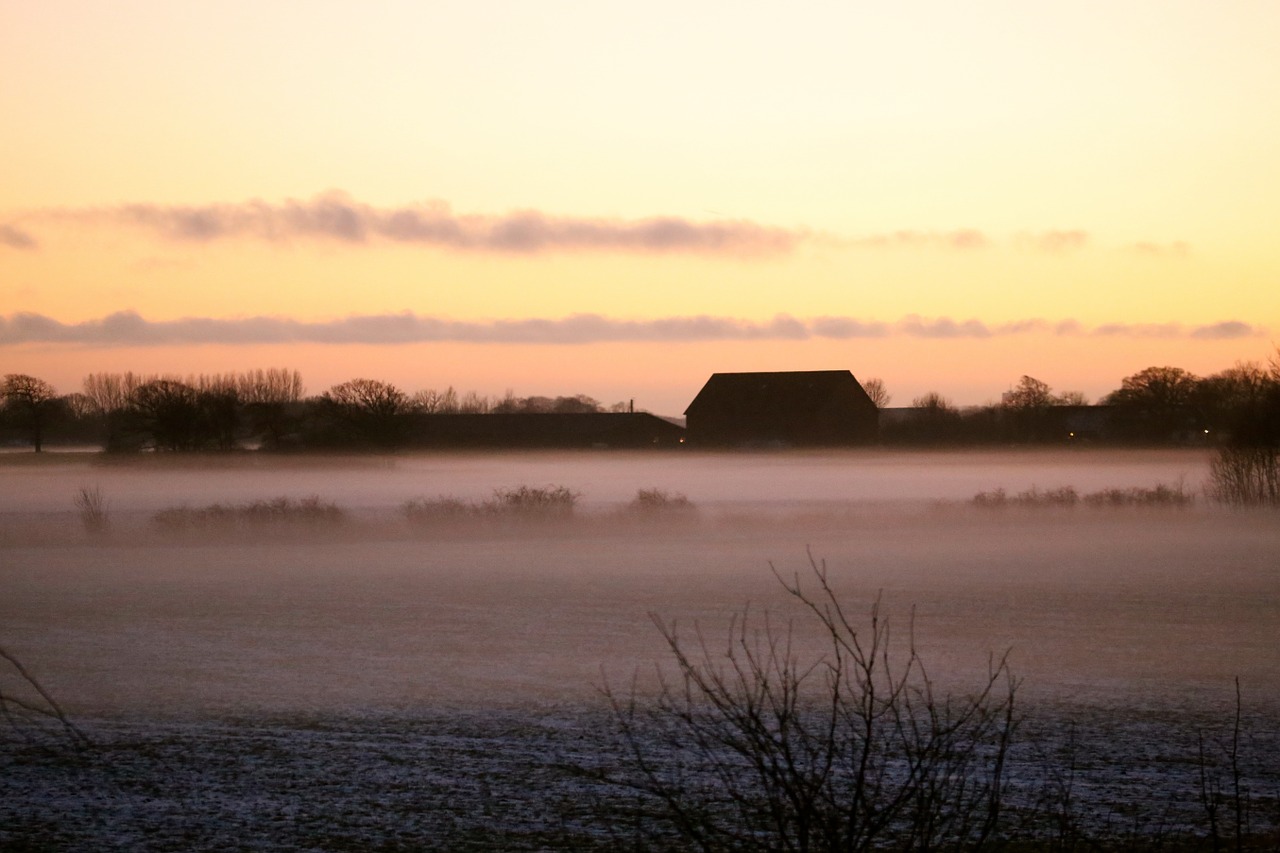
1061,496
1033,497
309,510
660,500
520,502
531,501
442,508
1246,476
1066,496
993,498
1159,495
752,748
92,505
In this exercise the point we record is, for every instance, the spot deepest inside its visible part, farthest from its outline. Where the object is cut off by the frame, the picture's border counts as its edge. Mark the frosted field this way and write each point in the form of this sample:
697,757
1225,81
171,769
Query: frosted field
381,683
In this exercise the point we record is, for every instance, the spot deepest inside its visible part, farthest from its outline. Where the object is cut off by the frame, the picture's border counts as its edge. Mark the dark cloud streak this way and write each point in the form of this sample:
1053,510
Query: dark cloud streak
334,216
127,328
15,238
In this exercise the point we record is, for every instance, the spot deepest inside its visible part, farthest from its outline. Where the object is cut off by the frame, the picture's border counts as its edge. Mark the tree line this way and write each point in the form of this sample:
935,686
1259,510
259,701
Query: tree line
1156,405
271,410
224,411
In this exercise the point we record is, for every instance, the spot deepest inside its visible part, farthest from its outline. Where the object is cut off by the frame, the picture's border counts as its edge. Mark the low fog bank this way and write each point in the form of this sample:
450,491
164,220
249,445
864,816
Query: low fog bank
30,484
1140,609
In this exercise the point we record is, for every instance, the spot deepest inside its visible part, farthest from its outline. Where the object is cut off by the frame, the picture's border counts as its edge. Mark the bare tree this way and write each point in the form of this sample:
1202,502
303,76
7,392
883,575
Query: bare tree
1156,404
1026,410
32,403
1071,398
432,402
933,400
373,411
1241,404
752,748
169,411
218,397
109,394
276,386
877,391
267,397
473,403
578,404
1029,394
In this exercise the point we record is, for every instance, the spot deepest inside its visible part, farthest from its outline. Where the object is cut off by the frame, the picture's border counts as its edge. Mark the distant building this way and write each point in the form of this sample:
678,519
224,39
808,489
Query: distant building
549,430
794,408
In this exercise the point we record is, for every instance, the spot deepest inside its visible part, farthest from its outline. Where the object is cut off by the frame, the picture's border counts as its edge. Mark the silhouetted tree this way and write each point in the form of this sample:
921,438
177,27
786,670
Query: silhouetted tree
219,401
1026,408
371,412
934,420
269,397
169,411
1240,405
578,404
877,391
109,394
474,404
1029,393
1156,404
31,404
508,405
432,402
1072,398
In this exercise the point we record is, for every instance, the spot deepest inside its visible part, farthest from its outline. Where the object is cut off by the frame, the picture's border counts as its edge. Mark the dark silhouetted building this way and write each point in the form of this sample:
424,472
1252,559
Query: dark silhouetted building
793,408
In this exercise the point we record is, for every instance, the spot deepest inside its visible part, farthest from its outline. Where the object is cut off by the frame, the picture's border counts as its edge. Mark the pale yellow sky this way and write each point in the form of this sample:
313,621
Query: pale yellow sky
1109,165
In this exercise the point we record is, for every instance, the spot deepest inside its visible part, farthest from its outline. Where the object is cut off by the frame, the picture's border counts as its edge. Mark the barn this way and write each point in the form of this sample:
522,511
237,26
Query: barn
793,408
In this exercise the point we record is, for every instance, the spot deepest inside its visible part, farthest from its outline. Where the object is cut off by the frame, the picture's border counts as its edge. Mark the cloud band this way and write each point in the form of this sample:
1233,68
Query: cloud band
128,329
336,217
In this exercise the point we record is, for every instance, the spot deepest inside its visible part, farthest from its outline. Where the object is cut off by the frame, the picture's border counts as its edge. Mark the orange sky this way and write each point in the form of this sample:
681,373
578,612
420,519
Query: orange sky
617,200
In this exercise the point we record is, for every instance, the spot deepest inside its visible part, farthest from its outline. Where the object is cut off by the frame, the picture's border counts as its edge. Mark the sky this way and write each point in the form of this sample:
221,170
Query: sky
619,199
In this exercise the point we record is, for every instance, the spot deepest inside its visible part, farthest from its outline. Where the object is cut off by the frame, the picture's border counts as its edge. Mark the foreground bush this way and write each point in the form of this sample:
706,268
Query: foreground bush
752,748
309,510
1246,476
28,713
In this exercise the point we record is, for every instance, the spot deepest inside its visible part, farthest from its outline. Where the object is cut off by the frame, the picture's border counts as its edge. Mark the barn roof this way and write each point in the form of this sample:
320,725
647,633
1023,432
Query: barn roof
795,391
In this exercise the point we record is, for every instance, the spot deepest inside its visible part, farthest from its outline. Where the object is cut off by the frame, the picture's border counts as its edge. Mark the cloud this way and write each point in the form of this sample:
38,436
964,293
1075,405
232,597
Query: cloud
128,328
15,238
1055,242
1223,331
962,239
336,217
1148,249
